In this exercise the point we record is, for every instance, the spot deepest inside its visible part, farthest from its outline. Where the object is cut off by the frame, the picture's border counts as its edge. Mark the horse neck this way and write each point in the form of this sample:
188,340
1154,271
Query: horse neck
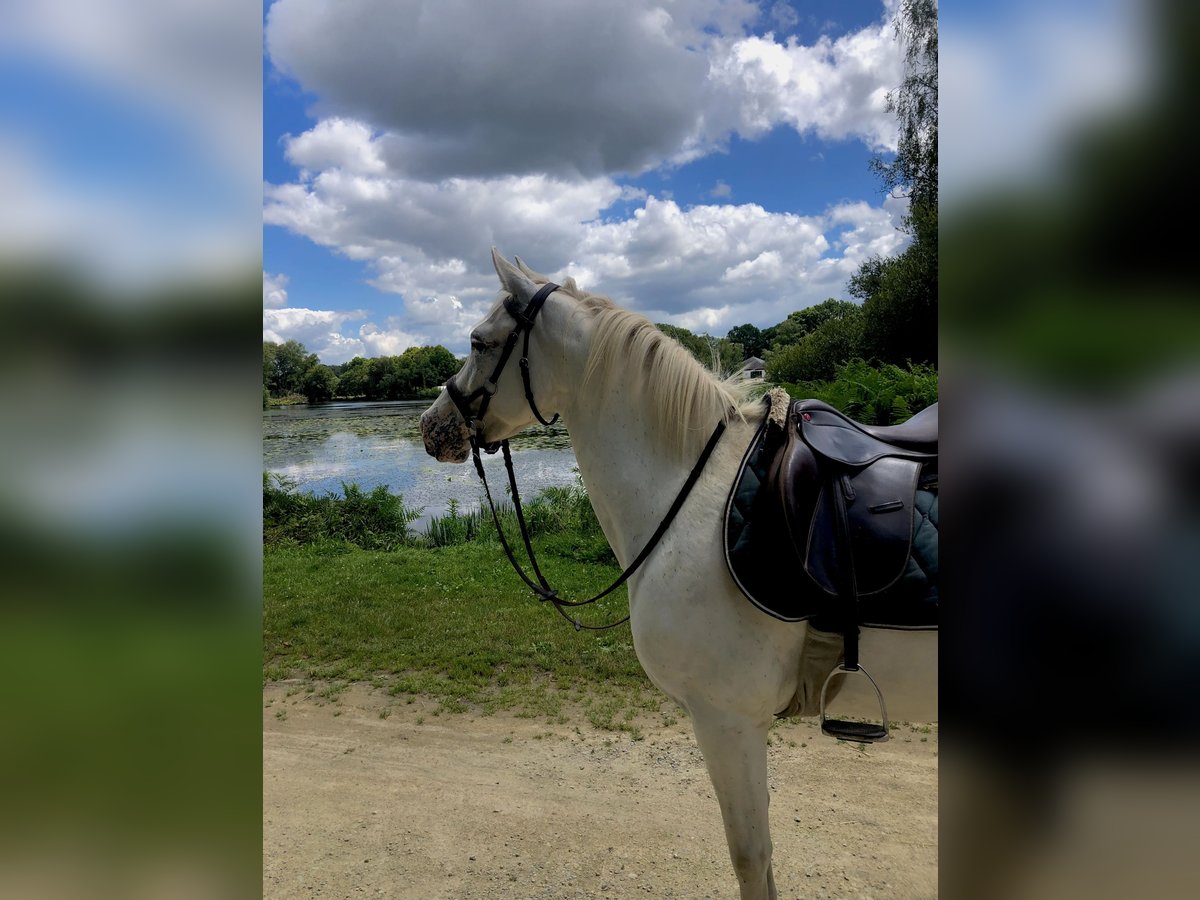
629,479
630,476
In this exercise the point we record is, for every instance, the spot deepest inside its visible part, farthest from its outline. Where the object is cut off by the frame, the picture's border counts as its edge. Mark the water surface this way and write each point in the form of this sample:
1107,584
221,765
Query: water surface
320,447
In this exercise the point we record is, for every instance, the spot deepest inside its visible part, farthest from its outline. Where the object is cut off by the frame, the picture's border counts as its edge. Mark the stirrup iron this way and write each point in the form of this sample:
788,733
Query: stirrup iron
859,732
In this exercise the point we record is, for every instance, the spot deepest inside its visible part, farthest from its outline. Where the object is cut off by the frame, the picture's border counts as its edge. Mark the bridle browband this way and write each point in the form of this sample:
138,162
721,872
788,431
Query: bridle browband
462,402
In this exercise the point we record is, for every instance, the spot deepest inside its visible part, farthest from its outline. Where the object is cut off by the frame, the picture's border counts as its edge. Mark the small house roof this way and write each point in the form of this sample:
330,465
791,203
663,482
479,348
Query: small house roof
753,363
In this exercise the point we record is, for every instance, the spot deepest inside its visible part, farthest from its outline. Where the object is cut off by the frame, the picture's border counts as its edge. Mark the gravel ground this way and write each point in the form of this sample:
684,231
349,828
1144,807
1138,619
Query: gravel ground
368,796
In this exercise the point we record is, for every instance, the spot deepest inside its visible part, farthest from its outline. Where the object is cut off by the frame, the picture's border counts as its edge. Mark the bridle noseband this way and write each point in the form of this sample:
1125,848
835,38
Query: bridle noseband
524,325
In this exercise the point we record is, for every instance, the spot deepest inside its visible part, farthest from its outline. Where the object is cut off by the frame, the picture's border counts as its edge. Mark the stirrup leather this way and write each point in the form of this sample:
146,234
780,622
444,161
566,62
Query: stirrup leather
859,732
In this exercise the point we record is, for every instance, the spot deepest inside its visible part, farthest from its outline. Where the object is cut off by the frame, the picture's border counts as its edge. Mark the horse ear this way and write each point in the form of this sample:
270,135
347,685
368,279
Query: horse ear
535,276
512,279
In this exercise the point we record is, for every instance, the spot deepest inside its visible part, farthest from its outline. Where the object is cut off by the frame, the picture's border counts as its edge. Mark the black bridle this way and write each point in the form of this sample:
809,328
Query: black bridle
462,402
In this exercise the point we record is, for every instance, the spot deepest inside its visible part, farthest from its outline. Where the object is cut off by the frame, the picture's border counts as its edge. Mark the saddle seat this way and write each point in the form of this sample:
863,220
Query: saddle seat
920,432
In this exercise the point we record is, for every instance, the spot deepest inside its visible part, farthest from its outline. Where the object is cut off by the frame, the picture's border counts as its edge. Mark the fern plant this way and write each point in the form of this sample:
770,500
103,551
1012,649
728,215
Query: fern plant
875,395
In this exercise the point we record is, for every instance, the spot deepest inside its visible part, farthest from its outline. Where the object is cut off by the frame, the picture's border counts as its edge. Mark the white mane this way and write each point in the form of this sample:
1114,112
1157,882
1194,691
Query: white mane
685,400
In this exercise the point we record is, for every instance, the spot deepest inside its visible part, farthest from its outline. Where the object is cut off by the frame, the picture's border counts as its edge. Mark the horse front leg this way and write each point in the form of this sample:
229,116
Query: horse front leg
735,753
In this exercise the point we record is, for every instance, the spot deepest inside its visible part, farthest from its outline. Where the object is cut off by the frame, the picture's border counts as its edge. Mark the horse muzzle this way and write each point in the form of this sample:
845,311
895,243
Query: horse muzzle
447,437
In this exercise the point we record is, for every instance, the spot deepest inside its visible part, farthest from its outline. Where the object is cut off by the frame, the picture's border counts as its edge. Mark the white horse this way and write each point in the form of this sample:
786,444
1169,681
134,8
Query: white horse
639,410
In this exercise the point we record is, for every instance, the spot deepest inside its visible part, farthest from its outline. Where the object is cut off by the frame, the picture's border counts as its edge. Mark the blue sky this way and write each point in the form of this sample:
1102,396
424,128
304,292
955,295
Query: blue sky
705,163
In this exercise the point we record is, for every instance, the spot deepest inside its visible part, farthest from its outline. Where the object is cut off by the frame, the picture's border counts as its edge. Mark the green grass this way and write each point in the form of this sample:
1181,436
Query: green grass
452,623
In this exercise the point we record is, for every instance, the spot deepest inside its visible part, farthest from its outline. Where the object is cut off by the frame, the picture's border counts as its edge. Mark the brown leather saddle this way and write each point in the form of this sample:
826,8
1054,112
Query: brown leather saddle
835,522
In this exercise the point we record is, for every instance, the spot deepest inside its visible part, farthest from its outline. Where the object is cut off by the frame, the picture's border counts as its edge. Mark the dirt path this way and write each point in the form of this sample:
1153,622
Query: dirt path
416,805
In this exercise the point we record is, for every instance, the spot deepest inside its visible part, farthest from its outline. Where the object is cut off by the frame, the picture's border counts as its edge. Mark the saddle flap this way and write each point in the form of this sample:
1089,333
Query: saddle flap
836,438
879,504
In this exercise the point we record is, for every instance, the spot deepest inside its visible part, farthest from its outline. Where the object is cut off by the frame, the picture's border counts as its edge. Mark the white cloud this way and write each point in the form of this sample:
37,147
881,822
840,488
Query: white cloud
520,143
719,266
783,15
738,262
389,342
336,143
605,88
522,86
319,330
721,191
834,88
372,217
274,291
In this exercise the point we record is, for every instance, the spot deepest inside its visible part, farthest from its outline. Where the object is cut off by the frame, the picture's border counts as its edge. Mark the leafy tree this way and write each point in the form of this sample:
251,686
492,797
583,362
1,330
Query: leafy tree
284,367
803,322
269,352
353,377
750,337
418,372
915,103
900,305
711,352
422,368
900,293
320,384
817,355
691,342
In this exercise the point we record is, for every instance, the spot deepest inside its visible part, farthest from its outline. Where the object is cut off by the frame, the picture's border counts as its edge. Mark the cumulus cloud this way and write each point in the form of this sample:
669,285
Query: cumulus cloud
784,15
531,85
343,144
304,325
387,342
321,332
274,291
721,191
833,88
573,90
718,266
520,137
735,262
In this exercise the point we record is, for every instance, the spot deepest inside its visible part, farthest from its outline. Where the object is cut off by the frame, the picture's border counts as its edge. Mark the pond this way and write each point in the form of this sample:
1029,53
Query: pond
319,447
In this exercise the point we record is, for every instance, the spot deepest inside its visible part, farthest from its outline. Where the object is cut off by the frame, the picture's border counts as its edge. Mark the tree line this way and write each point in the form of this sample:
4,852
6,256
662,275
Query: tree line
417,373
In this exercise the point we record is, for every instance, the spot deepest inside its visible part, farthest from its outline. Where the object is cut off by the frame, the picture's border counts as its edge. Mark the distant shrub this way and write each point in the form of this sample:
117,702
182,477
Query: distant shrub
560,517
374,521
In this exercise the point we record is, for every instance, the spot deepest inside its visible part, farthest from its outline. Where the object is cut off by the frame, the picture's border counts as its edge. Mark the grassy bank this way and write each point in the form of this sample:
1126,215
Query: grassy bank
349,594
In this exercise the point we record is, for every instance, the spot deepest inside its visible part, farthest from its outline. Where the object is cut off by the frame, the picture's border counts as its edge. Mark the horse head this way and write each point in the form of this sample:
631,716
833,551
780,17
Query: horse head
488,398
